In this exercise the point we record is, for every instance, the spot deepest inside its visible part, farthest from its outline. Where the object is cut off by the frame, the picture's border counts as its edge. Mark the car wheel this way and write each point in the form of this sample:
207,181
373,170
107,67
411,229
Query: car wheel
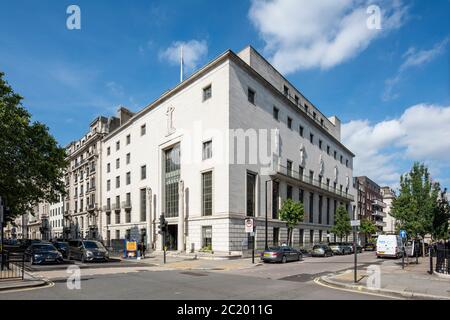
284,259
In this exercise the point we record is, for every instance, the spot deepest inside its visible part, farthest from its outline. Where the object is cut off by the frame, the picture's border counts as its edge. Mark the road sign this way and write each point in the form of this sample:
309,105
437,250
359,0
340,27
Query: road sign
402,233
355,223
249,224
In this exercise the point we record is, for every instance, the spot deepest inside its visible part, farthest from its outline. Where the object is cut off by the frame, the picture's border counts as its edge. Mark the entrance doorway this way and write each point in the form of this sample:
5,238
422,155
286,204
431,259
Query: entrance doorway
171,241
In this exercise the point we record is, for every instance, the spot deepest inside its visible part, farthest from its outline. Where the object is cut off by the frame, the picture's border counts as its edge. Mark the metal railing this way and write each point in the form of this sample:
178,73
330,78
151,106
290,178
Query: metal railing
442,260
313,182
11,265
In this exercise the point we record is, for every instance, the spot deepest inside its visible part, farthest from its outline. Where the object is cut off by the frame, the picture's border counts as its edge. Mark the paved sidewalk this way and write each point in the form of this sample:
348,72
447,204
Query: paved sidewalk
412,282
29,281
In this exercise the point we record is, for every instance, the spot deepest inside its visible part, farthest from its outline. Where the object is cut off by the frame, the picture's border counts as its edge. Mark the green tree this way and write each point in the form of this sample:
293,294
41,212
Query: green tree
31,162
342,226
441,217
367,228
292,213
415,206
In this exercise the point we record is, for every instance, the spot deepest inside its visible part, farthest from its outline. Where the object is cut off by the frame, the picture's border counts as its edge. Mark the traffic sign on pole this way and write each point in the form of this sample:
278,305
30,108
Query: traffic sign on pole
249,224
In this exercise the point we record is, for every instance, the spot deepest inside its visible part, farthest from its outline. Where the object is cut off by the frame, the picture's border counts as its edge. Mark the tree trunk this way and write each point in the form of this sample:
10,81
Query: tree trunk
289,236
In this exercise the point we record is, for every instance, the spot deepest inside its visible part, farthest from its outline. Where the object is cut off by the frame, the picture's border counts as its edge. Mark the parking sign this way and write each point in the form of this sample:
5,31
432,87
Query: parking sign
402,233
249,225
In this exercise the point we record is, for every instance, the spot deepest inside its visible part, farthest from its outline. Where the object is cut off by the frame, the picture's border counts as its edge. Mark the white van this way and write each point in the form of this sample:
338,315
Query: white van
389,246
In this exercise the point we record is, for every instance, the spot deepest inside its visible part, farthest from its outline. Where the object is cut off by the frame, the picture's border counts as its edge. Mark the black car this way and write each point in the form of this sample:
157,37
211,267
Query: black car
62,247
281,254
40,253
87,251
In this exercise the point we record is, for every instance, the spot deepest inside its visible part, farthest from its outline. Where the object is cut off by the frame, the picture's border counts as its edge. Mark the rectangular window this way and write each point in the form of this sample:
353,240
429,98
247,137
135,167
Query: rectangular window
117,217
328,150
108,185
334,213
171,180
117,234
320,209
301,195
128,158
289,192
320,144
108,168
276,236
314,115
335,155
297,100
128,139
306,108
311,176
346,163
108,218
311,236
275,199
143,130
117,163
289,168
207,93
311,207
328,211
117,182
128,178
286,91
108,151
289,122
301,234
311,138
207,237
143,172
301,131
207,193
300,172
207,150
276,113
117,145
341,159
251,96
251,194
143,205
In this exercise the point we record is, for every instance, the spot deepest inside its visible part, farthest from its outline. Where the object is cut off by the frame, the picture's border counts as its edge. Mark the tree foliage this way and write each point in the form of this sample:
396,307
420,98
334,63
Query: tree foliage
368,228
441,217
31,162
342,226
292,213
417,209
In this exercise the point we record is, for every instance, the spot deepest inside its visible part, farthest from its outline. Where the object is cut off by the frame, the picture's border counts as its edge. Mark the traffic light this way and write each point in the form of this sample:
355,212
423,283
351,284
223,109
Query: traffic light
162,224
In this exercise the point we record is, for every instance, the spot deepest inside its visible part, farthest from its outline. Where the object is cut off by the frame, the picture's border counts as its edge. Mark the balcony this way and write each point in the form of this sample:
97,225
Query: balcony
107,208
380,224
116,207
126,205
91,207
309,182
378,203
379,214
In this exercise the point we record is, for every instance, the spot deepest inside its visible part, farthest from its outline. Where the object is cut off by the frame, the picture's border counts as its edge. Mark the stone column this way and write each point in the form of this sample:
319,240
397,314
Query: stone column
181,240
149,219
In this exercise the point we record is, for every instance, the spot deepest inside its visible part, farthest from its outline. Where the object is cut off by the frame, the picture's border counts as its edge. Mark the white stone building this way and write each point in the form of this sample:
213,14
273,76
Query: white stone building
247,139
56,219
388,197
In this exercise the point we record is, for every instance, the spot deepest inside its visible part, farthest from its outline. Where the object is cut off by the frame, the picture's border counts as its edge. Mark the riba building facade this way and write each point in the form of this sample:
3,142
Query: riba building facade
232,141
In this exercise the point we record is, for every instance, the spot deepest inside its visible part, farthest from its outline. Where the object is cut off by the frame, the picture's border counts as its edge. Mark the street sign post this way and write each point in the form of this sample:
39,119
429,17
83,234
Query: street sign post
250,229
355,224
403,237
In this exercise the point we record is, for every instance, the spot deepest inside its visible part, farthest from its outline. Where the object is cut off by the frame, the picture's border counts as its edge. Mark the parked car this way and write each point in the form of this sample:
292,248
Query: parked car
413,247
87,251
39,253
370,247
389,246
348,247
62,247
281,254
338,248
322,250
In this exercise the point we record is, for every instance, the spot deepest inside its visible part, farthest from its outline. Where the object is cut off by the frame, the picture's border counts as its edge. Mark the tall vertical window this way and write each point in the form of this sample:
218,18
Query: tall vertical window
276,236
311,207
207,236
320,209
143,205
297,100
128,178
328,150
128,158
207,93
143,130
251,194
143,172
171,180
320,144
289,122
311,138
207,150
276,113
289,192
108,151
128,139
300,129
275,199
118,182
117,163
251,96
334,212
301,195
207,193
311,236
289,168
108,168
117,234
301,235
328,211
286,91
117,145
108,185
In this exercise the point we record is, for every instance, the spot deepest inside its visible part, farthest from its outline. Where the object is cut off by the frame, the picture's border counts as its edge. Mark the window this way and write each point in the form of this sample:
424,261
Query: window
276,113
128,178
300,172
289,192
335,154
301,234
328,211
207,236
311,236
108,185
117,145
320,144
108,204
296,100
311,138
346,163
117,163
286,91
301,131
311,176
311,207
117,234
306,108
207,150
207,193
251,194
128,139
207,93
320,236
128,158
108,151
143,205
108,168
117,182
320,209
314,115
341,159
328,150
143,172
289,122
143,130
289,168
251,96
275,199
171,180
276,236
301,195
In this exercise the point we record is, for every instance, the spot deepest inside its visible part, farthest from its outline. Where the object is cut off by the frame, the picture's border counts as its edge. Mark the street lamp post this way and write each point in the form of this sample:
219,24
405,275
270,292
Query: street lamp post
266,245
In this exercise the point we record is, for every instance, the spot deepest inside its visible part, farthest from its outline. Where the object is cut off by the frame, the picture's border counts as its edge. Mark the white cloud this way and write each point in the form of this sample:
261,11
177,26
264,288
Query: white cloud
193,53
421,133
303,34
413,59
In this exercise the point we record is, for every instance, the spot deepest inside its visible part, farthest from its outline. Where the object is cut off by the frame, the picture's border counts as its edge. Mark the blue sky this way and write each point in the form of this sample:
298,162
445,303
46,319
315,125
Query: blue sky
390,87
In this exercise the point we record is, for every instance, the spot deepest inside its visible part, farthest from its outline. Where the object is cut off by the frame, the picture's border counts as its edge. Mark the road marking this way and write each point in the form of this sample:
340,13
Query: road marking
48,285
316,281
